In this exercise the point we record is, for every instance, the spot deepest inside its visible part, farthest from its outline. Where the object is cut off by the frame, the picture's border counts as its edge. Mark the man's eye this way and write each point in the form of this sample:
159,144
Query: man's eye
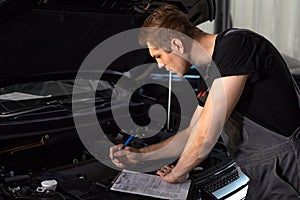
156,57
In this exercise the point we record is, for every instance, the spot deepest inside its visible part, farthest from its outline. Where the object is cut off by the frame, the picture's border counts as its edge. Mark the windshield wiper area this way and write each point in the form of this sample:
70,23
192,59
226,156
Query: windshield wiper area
53,106
50,105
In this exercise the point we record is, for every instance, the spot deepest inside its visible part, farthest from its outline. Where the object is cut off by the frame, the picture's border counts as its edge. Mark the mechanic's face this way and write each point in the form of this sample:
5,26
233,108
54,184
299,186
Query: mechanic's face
170,61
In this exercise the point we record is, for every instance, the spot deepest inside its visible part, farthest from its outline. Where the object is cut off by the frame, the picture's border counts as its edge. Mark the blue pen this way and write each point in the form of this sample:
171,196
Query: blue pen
126,143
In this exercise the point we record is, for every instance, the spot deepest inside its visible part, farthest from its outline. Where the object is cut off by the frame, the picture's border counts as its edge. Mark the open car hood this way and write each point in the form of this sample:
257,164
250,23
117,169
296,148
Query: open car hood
50,39
43,43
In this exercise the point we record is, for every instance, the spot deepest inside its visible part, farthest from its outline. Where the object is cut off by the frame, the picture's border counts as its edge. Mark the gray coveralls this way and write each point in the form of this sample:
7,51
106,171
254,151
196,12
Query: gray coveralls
270,160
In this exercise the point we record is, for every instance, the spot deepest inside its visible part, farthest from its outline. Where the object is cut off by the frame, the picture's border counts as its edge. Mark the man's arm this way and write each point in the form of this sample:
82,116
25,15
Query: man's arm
168,148
223,97
174,145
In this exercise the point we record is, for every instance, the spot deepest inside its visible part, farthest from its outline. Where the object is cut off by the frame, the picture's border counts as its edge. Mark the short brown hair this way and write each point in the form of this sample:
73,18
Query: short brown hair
163,23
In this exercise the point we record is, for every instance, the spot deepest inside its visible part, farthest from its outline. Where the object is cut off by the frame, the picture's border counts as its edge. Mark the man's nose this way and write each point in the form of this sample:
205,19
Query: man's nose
160,65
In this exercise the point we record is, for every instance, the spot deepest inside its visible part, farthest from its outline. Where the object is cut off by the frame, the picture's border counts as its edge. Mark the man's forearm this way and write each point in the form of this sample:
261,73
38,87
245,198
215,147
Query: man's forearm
172,146
168,148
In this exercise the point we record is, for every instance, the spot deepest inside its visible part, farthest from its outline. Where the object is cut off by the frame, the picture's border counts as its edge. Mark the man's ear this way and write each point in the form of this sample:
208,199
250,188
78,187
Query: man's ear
177,45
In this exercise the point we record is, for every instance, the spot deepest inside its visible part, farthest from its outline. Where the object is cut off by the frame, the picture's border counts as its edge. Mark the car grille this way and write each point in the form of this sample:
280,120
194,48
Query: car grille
222,181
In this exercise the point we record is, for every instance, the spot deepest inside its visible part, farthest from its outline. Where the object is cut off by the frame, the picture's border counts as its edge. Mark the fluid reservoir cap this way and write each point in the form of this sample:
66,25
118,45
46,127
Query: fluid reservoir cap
49,184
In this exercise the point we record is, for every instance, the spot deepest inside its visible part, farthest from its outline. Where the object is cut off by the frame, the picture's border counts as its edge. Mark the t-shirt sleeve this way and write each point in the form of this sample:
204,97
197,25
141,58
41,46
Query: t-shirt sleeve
237,53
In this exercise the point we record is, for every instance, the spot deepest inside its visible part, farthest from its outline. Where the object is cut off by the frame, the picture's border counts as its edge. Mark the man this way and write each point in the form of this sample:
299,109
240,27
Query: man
255,102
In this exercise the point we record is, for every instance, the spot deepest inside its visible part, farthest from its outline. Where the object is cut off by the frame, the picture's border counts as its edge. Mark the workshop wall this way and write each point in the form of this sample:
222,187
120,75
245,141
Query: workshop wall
277,20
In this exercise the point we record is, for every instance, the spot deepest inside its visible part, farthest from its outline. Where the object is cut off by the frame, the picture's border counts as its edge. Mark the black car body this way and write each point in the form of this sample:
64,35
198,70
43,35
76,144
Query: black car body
43,44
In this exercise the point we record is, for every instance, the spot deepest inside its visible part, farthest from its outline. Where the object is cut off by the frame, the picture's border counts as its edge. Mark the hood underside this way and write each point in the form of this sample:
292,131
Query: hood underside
51,38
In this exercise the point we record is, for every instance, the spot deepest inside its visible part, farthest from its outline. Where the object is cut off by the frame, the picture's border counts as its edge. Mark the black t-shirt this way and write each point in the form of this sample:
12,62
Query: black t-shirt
269,97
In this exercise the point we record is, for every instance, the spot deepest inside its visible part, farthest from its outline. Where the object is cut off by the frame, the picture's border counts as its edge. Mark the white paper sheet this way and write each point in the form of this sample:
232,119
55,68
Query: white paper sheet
150,185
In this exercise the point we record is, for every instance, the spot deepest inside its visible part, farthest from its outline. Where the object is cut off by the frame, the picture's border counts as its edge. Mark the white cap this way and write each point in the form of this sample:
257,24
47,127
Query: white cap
49,184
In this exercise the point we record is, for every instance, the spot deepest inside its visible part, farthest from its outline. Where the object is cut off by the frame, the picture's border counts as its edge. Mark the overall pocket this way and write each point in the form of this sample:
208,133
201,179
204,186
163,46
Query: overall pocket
284,184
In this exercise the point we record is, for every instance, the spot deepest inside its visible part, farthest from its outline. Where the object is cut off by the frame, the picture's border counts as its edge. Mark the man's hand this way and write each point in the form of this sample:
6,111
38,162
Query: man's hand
168,174
122,157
